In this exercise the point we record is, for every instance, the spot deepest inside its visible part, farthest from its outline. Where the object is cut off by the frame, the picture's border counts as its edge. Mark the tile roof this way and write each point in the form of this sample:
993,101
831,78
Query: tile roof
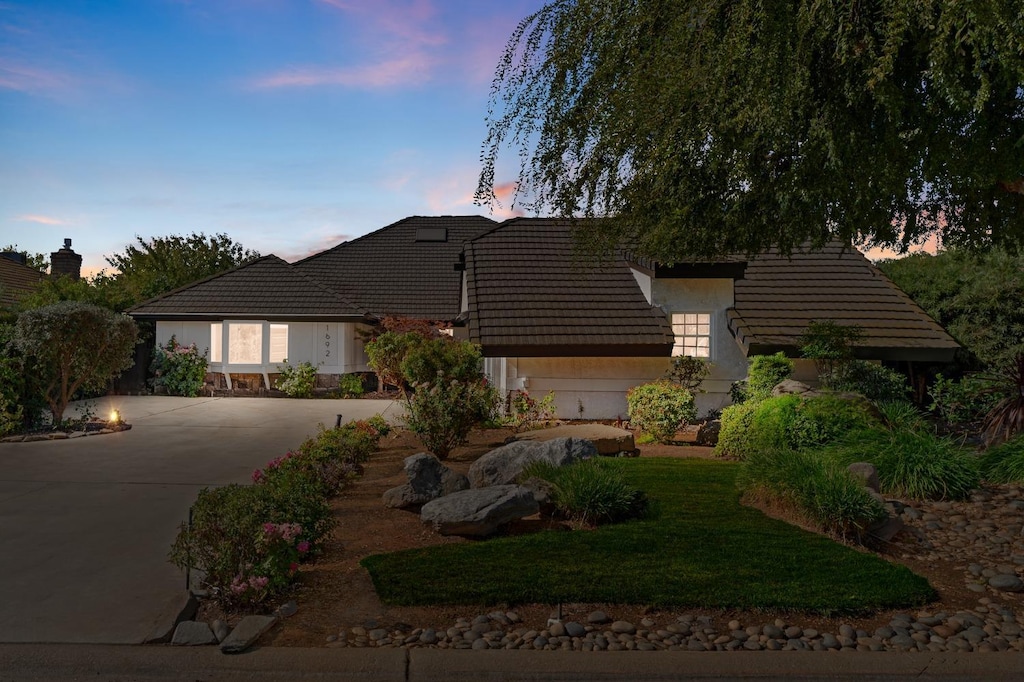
391,272
779,296
16,280
268,287
528,297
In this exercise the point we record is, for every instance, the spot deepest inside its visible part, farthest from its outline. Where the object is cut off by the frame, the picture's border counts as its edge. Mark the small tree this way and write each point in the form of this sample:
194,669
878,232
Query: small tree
75,346
689,372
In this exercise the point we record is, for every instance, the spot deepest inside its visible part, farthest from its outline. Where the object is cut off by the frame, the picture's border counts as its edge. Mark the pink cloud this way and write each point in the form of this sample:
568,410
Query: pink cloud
321,244
40,219
406,70
32,79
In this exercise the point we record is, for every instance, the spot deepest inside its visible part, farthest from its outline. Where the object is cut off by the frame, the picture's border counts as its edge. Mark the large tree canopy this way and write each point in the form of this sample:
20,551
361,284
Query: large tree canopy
713,126
162,264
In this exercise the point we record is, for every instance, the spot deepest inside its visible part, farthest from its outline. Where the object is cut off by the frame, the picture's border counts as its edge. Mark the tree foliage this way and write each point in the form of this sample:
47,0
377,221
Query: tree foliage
161,264
36,261
978,298
713,126
74,346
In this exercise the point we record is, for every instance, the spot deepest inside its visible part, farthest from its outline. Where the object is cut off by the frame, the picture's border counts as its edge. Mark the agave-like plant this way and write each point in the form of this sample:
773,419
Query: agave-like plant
1006,418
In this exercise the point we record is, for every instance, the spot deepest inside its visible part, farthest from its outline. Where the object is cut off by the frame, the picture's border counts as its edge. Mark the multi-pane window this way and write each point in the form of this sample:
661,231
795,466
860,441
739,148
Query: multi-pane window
278,342
216,341
693,334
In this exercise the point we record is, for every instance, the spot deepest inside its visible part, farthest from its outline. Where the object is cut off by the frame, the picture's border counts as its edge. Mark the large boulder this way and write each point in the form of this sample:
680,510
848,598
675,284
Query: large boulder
791,387
478,513
428,480
707,433
503,465
609,441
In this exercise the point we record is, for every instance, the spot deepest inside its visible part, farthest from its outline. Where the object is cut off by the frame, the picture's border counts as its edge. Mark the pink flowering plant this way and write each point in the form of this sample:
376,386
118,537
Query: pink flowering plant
250,540
179,368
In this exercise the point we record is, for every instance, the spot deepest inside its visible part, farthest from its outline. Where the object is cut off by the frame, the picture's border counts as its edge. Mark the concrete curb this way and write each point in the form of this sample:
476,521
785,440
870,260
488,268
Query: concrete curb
41,662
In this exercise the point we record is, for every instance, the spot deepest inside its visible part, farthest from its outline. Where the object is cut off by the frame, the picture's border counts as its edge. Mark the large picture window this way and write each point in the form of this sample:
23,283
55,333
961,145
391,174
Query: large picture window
693,334
245,343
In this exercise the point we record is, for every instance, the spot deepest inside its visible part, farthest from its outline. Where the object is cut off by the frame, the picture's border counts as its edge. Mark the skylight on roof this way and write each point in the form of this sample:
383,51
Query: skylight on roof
431,234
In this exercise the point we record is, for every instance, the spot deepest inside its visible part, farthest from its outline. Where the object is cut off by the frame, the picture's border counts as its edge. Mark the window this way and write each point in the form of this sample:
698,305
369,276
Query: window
278,342
693,334
216,341
245,344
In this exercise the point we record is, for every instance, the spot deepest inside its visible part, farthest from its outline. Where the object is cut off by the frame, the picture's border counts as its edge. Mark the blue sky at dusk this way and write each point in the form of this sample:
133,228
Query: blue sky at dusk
291,125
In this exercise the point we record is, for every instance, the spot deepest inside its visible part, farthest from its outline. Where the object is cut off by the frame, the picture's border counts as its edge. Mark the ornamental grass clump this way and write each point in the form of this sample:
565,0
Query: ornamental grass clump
1004,463
915,464
589,492
819,491
660,409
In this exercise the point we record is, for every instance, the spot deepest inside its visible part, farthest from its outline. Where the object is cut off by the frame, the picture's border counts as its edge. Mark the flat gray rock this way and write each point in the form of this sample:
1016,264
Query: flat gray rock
246,633
1006,583
429,479
609,440
503,465
478,513
193,633
867,473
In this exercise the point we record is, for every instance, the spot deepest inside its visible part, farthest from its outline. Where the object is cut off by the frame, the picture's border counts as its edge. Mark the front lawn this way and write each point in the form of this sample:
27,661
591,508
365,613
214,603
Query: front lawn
699,549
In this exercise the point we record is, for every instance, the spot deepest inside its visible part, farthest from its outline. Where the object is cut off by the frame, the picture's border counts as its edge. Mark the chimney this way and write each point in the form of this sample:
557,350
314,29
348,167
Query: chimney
66,262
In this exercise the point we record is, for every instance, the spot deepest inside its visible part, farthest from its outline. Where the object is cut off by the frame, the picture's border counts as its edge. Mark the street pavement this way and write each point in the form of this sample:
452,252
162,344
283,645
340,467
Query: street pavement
86,524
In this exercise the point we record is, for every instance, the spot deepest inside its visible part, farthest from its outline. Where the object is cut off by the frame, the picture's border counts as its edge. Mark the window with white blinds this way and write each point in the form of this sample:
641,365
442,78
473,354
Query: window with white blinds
278,342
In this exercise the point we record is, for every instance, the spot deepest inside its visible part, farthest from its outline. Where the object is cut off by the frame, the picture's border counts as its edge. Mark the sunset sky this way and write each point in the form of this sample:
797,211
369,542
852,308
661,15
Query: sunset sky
291,125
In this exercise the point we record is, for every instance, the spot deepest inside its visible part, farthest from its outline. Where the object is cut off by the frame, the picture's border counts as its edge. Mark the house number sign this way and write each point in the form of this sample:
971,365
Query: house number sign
329,344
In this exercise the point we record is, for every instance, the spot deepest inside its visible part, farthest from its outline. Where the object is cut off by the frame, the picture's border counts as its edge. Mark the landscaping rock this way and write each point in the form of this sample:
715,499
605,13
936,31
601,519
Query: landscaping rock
220,629
1006,583
866,472
246,633
707,433
503,465
478,513
193,633
791,387
609,440
429,479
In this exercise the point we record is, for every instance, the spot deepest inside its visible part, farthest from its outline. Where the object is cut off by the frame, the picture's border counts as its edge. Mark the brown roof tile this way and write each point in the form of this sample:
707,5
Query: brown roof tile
268,287
16,280
392,272
527,296
779,296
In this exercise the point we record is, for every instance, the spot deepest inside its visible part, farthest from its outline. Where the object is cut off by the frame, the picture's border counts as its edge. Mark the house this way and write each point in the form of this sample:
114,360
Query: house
544,321
17,279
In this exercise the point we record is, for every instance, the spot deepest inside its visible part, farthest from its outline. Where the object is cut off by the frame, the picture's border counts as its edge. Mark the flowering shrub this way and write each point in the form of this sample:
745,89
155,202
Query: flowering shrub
443,413
297,381
660,409
250,540
525,412
178,368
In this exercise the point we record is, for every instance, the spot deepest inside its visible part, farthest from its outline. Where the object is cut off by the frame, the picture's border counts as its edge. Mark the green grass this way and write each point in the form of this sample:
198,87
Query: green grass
699,549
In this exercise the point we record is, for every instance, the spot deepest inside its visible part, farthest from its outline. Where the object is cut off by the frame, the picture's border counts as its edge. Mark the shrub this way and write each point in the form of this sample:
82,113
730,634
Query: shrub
525,412
1006,418
912,464
900,414
660,408
871,380
589,492
180,369
443,413
74,346
829,344
688,371
818,489
297,381
441,359
350,386
789,422
963,401
1004,463
386,353
764,373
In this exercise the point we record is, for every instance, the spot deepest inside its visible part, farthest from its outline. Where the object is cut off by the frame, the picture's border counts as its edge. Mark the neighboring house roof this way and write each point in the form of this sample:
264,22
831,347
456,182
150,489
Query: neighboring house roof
406,269
16,280
527,297
266,287
779,296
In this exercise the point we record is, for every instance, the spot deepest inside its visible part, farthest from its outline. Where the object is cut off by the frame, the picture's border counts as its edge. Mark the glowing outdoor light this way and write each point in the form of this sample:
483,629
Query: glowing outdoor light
115,416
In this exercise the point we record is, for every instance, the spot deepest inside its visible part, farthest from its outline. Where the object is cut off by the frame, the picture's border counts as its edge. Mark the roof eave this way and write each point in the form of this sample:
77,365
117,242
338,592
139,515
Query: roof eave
625,350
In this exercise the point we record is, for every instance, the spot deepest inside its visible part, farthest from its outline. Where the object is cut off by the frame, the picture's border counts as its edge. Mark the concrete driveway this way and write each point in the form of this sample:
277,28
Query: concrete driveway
85,524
